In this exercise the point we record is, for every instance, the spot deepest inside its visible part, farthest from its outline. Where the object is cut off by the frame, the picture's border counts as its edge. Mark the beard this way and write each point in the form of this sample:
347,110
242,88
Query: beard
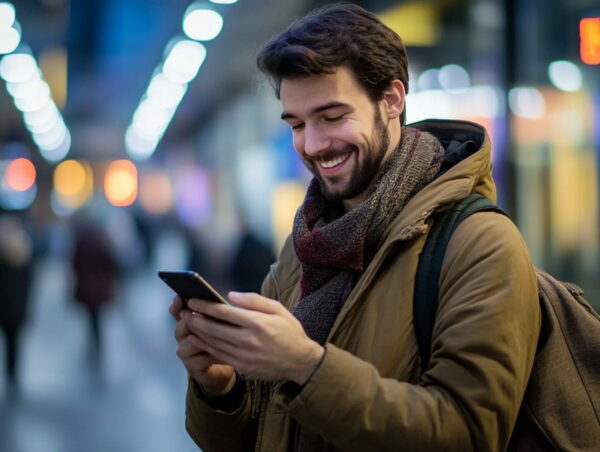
364,171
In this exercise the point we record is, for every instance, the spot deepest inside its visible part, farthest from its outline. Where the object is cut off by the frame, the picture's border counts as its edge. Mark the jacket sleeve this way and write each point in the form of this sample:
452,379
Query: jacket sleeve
483,346
214,429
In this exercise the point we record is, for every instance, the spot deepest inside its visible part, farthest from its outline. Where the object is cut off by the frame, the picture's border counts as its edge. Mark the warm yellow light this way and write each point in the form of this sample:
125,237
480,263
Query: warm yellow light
20,174
73,182
120,183
156,192
416,22
589,33
69,178
285,200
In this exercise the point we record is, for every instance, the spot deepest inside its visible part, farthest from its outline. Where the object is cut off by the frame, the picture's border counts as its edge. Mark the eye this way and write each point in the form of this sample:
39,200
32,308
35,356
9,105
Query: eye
297,126
334,118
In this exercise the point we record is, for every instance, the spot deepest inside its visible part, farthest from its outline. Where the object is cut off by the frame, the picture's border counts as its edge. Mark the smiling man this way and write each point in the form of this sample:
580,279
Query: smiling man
325,359
341,136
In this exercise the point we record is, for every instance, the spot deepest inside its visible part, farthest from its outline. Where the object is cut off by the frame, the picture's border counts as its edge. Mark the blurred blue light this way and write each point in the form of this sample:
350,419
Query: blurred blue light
17,200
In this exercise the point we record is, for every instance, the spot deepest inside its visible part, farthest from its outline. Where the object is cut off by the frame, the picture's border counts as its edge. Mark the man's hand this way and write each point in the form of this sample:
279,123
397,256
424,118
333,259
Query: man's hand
213,376
262,340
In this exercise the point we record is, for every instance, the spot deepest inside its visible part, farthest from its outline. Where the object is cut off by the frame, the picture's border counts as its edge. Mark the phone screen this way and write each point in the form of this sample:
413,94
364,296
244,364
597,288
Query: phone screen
189,284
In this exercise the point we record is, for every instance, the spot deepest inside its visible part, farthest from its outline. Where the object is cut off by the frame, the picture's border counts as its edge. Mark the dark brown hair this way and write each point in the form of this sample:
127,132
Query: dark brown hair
341,34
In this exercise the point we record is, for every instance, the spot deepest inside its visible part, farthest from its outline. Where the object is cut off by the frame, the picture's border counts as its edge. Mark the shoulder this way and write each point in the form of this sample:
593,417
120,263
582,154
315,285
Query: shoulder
485,233
487,255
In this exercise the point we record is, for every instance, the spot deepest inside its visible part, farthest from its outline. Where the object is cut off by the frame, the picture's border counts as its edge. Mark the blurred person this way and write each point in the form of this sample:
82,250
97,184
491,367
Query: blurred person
326,358
250,261
96,272
16,262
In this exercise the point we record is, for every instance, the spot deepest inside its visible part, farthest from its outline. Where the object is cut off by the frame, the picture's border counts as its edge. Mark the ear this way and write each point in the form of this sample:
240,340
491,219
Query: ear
393,99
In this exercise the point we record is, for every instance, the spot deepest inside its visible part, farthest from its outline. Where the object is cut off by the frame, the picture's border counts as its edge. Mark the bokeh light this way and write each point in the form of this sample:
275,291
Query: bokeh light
527,102
73,183
18,67
9,39
565,75
156,192
120,183
184,60
7,15
202,24
20,174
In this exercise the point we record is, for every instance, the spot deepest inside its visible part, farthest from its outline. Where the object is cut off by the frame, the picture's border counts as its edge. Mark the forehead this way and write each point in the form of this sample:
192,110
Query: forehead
300,95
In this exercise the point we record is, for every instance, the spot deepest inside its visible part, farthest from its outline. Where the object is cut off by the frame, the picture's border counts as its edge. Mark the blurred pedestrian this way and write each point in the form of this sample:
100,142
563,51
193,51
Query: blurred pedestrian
96,273
16,257
250,262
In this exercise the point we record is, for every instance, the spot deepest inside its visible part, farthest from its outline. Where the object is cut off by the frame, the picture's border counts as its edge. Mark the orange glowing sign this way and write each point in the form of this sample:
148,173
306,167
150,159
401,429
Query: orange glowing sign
20,174
589,32
120,183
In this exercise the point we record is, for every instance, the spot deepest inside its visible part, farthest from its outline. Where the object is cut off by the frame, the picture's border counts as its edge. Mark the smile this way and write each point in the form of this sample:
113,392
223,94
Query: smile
336,161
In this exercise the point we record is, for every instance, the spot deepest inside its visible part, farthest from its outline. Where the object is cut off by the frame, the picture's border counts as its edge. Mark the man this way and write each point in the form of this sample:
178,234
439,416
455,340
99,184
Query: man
326,358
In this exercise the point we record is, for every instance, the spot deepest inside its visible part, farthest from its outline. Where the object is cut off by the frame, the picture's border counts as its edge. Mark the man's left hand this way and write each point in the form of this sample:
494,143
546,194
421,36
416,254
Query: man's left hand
262,340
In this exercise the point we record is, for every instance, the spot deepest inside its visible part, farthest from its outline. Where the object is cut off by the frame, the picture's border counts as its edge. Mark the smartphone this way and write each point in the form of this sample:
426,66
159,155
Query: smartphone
188,284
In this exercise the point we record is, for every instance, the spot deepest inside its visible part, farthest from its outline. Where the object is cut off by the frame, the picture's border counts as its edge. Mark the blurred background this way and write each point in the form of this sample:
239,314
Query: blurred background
137,135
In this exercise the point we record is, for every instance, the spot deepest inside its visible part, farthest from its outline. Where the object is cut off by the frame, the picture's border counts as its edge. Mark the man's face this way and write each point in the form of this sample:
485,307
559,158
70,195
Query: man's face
338,132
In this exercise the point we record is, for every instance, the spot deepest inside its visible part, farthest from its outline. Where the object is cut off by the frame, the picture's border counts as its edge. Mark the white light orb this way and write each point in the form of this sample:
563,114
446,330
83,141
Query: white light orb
565,75
454,78
7,15
183,61
165,93
527,103
18,67
9,39
202,24
139,148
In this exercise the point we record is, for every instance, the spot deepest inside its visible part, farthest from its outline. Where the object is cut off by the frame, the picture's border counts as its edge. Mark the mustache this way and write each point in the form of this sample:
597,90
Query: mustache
333,153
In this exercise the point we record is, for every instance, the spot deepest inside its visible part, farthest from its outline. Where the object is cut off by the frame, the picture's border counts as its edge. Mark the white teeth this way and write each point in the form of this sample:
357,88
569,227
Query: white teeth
335,162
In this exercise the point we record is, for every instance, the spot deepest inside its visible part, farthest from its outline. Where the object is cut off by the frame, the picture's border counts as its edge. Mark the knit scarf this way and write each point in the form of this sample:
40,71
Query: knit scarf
335,248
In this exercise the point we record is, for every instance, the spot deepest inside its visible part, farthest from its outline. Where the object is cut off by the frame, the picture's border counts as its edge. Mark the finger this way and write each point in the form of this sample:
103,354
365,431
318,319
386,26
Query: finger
199,364
220,311
255,302
176,306
188,347
221,352
182,328
213,330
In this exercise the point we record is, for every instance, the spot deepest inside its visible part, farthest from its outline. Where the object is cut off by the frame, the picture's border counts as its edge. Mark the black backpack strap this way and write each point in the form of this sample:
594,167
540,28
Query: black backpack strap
425,300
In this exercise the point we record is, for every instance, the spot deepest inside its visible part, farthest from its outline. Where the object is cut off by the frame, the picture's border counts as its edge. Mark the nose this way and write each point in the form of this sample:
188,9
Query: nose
315,140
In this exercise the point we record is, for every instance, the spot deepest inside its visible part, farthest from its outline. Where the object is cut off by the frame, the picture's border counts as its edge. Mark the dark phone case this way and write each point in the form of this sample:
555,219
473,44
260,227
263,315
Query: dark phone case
188,284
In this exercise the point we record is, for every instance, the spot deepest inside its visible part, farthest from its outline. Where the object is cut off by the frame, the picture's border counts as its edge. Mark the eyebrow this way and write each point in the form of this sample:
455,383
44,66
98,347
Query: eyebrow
285,115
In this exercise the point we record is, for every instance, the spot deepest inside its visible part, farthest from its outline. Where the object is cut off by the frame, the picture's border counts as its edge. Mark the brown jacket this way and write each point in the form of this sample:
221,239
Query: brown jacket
368,394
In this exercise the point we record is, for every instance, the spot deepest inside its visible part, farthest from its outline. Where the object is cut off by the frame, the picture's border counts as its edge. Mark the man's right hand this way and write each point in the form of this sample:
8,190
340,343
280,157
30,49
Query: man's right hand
215,378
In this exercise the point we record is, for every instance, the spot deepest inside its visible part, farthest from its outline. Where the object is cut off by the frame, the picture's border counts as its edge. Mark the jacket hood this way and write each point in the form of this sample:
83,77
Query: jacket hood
467,168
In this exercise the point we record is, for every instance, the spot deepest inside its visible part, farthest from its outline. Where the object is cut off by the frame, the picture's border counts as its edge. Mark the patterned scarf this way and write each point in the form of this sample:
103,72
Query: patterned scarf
335,248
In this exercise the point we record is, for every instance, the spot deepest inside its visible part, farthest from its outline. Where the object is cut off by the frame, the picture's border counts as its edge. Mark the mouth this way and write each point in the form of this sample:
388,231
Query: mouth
335,162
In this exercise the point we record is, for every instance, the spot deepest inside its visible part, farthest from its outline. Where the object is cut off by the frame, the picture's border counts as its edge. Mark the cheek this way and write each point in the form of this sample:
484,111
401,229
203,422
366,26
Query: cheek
351,134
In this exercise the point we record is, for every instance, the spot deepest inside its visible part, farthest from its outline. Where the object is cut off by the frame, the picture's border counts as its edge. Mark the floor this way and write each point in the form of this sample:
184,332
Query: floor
135,399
